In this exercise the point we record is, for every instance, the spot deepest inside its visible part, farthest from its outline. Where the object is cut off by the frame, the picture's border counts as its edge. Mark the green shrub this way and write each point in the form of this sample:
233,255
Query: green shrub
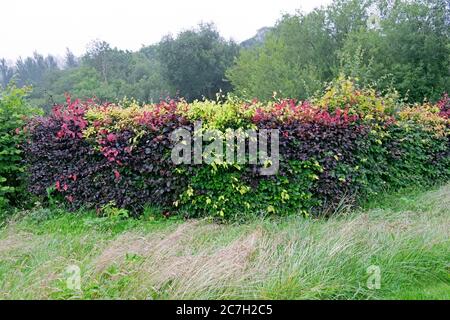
234,192
13,113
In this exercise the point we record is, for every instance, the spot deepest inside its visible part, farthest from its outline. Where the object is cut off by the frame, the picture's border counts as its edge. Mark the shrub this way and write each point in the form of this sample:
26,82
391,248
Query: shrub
444,106
238,192
13,113
92,159
347,145
345,93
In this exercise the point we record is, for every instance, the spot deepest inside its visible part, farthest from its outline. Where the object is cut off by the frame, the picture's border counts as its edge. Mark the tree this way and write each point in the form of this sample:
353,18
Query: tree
147,81
110,63
409,50
50,63
382,42
6,73
195,61
33,69
70,60
299,54
97,57
288,61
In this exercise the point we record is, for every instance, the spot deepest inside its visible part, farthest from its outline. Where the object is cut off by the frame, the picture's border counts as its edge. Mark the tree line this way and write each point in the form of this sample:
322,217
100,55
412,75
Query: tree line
382,43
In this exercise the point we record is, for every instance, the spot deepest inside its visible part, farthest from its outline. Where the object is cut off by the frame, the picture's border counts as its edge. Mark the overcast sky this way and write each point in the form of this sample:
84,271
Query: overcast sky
49,26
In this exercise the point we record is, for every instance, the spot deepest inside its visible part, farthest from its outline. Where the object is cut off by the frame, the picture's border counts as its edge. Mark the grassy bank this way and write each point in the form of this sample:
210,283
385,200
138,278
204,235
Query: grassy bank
405,236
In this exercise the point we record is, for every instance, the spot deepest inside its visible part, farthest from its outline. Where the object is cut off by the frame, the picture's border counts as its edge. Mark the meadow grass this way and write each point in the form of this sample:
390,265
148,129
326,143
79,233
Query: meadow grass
406,236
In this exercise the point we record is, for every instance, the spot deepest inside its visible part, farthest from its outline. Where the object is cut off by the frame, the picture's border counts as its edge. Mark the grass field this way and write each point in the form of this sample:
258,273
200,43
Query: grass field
405,237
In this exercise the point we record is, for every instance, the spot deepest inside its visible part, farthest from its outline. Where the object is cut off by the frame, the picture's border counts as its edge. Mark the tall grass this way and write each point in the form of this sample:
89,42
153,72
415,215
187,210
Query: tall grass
286,258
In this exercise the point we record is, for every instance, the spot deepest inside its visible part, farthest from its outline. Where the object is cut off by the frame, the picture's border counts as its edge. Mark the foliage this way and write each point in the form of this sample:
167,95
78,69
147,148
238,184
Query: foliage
349,143
14,111
238,194
195,62
401,44
112,212
366,102
409,48
221,115
76,150
148,75
299,54
385,44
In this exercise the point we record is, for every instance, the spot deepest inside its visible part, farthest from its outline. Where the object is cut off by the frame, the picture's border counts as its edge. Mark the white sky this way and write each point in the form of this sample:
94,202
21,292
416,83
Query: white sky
49,26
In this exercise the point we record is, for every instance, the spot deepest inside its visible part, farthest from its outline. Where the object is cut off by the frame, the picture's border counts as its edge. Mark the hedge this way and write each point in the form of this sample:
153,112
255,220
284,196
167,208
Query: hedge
346,145
13,113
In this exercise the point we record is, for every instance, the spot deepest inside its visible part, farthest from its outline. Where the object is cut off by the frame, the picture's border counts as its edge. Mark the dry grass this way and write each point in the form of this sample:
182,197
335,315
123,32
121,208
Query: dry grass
168,258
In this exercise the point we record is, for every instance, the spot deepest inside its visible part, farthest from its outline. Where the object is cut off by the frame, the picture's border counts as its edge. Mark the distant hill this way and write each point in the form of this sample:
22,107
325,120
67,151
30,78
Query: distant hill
257,39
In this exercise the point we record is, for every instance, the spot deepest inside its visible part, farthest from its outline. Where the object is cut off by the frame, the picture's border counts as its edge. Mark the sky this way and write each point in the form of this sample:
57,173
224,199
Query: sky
51,26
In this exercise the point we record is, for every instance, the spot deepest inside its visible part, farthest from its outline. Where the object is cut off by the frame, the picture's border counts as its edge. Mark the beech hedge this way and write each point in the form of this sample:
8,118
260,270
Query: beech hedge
341,147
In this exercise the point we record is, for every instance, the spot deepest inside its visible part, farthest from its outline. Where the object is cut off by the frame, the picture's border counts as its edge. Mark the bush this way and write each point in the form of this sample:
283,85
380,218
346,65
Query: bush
13,113
349,144
92,159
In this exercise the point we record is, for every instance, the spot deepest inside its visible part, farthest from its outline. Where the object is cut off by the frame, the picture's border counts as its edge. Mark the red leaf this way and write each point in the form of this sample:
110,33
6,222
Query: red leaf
111,137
